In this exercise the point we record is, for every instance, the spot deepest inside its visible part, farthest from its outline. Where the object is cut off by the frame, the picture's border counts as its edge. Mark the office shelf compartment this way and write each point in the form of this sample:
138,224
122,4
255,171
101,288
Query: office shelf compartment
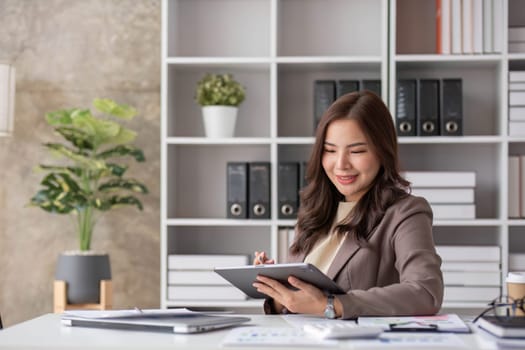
482,95
467,235
214,240
335,28
483,159
184,114
197,177
218,28
296,90
517,239
294,153
218,240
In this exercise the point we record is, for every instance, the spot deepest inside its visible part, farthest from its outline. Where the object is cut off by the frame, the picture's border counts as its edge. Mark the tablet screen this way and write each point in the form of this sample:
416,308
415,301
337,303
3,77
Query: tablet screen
242,277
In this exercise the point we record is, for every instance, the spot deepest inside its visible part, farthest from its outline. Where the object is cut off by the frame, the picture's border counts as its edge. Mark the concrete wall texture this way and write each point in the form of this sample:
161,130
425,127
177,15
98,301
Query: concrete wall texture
67,52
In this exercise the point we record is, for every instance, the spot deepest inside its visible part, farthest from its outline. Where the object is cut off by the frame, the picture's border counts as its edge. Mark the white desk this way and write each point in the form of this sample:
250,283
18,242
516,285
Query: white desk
47,332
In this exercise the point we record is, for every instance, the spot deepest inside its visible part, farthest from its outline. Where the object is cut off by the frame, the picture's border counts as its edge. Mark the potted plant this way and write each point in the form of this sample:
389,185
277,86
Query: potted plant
219,95
91,183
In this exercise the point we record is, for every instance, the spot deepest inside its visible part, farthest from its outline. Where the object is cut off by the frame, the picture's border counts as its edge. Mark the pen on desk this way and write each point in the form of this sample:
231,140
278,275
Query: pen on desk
138,310
413,329
423,327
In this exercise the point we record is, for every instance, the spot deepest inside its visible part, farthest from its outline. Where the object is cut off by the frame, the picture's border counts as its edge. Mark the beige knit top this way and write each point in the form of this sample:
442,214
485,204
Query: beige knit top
325,250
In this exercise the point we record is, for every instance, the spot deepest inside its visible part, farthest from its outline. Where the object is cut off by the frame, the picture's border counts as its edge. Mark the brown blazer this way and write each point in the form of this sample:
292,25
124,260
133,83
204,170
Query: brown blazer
399,274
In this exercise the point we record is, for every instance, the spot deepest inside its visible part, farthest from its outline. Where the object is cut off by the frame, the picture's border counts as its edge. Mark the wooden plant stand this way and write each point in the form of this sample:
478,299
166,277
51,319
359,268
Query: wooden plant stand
60,298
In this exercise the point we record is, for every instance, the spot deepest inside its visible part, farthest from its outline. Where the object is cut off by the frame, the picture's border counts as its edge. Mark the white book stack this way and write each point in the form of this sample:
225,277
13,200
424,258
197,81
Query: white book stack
516,103
516,39
470,26
191,277
517,262
470,273
450,193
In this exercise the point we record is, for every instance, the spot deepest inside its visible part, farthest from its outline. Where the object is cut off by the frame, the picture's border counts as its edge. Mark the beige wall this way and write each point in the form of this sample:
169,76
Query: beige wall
66,52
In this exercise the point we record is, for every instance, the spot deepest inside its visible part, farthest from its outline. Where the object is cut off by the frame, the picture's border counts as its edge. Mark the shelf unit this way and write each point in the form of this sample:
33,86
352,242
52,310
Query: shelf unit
276,49
486,145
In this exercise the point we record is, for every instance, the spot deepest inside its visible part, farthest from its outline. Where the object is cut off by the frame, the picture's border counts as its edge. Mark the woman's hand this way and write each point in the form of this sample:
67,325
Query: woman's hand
261,258
306,300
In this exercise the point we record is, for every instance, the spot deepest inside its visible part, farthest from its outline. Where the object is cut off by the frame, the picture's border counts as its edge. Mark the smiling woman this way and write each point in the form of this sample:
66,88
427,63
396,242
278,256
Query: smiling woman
359,224
348,160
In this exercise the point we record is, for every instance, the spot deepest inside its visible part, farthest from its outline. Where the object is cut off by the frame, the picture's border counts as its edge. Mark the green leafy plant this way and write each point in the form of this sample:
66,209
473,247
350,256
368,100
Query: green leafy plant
92,182
219,90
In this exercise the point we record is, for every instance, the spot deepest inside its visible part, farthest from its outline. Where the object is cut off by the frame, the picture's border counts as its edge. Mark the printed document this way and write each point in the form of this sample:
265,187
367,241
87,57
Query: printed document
286,336
445,323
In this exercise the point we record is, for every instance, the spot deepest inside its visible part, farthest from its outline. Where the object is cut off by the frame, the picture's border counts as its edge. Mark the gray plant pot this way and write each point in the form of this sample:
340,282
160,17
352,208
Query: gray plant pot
83,272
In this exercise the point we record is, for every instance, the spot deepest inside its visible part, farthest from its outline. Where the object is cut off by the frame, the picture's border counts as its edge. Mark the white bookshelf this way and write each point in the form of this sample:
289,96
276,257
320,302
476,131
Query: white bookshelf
276,49
486,145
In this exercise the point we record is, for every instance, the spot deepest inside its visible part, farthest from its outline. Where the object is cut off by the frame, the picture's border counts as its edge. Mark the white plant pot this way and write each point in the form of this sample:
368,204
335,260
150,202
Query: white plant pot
219,121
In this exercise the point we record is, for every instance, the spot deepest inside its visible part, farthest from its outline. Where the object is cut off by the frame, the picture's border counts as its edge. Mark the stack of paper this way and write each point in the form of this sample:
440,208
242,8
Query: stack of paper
449,323
191,277
273,336
470,273
516,103
450,193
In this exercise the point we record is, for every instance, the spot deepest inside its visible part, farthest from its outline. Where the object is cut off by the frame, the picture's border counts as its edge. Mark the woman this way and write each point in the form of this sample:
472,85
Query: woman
358,224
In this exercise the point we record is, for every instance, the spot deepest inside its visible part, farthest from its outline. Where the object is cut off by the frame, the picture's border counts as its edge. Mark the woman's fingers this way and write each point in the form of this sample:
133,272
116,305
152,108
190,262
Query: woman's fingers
266,286
307,299
274,284
258,258
261,258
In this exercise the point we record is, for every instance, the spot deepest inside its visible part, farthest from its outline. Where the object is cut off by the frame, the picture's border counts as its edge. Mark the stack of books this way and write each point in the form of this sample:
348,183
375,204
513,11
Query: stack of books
505,327
516,103
450,193
469,26
470,273
191,277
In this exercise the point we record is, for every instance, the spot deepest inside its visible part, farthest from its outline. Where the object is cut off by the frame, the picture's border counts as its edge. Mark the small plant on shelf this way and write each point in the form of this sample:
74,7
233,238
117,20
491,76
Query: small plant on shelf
219,95
219,90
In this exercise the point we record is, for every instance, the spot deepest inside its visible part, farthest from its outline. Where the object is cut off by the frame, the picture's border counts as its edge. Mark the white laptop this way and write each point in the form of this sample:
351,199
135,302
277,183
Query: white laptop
152,320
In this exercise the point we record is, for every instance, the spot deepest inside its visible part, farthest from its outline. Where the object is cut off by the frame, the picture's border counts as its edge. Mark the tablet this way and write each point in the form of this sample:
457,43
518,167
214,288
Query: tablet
242,277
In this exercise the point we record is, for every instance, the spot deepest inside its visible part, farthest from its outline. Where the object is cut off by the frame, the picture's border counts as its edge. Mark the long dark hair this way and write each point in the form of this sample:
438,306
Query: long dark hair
320,198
